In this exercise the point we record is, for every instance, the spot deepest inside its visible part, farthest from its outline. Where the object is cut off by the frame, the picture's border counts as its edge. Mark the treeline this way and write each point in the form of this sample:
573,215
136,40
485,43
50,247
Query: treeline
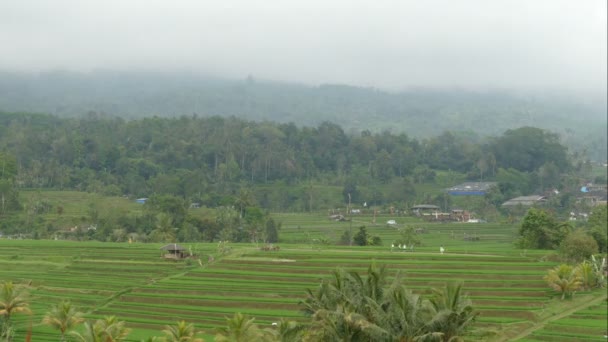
206,159
579,120
190,156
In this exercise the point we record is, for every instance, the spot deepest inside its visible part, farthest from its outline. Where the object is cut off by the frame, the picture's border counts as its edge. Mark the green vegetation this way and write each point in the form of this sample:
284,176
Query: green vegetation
131,282
264,212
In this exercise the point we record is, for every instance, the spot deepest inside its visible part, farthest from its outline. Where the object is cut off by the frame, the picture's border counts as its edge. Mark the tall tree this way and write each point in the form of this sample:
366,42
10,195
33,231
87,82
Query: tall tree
540,230
349,307
13,299
181,332
527,148
453,312
563,279
107,329
63,317
241,328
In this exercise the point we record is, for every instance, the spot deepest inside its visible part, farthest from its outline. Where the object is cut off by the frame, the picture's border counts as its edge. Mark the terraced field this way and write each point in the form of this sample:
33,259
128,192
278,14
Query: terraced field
589,324
135,284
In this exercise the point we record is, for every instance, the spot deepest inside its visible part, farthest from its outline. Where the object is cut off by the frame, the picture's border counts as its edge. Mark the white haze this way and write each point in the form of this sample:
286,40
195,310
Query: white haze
513,44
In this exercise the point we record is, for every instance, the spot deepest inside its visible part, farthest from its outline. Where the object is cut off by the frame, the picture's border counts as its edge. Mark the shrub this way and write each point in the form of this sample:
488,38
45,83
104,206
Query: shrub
578,246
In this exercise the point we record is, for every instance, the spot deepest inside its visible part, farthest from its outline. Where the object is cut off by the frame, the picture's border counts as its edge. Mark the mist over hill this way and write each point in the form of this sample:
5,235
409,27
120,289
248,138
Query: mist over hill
579,120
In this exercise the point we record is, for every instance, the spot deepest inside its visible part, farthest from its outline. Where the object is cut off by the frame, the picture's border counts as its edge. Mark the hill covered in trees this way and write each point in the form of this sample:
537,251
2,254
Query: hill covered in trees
206,159
420,113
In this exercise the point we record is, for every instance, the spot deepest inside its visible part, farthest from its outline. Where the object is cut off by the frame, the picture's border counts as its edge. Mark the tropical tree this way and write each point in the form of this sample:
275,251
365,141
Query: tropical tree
578,246
289,331
63,317
585,271
241,328
564,280
598,226
13,300
540,230
181,332
108,329
400,316
408,237
352,308
453,312
165,231
153,339
243,200
91,333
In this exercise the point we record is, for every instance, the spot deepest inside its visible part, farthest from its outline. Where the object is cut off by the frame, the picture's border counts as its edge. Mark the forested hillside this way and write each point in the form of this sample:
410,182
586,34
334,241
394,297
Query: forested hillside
580,122
205,159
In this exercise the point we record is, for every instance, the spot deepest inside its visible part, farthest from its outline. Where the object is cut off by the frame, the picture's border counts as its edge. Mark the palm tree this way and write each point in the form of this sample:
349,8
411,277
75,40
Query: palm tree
243,200
164,232
12,300
153,339
240,328
63,317
181,332
351,308
587,275
289,331
91,333
403,314
108,329
113,329
453,312
563,279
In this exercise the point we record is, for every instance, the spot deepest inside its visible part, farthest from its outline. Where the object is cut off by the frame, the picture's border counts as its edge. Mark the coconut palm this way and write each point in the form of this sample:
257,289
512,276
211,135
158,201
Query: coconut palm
153,339
113,329
243,200
453,312
340,324
108,329
13,300
63,317
289,331
181,332
241,328
563,279
351,308
164,232
91,333
399,316
586,274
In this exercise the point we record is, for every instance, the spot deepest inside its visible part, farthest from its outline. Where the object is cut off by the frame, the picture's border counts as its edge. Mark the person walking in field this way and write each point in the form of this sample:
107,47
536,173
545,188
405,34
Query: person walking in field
441,249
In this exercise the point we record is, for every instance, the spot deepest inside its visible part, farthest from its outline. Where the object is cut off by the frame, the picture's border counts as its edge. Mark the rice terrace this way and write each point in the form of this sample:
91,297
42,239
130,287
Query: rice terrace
135,283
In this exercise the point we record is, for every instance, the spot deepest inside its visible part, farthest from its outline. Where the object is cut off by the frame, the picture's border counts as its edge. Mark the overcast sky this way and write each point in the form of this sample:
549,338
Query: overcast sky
380,43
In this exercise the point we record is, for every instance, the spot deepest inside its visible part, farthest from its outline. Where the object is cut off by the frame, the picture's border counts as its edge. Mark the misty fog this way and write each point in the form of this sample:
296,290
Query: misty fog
393,45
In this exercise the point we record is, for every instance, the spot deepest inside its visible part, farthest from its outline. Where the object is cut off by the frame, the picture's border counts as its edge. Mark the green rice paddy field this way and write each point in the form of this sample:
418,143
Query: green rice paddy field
134,283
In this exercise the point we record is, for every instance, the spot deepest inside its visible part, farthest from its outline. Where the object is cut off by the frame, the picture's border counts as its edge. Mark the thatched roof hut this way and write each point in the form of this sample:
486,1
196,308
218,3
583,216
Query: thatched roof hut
174,251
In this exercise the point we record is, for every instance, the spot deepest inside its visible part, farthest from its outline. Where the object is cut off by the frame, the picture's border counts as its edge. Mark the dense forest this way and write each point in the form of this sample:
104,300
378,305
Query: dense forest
211,160
580,121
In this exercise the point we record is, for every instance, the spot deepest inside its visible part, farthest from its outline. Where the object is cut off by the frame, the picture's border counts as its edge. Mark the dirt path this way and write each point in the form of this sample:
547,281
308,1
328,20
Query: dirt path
541,324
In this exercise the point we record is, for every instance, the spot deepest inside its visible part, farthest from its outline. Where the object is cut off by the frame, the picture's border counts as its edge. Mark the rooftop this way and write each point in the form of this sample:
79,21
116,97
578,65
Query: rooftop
425,206
173,247
471,188
525,200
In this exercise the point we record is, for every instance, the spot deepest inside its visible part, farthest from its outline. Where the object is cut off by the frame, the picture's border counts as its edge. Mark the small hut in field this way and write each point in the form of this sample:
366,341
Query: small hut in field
174,251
